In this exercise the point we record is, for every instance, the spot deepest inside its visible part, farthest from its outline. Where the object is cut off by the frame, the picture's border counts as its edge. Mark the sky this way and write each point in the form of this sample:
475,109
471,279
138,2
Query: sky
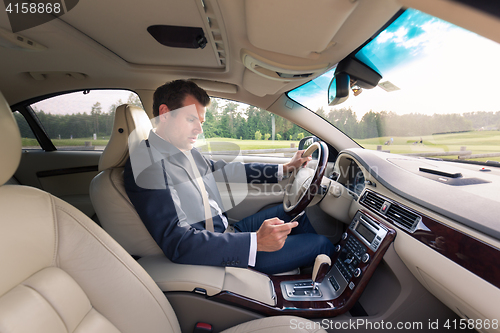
439,68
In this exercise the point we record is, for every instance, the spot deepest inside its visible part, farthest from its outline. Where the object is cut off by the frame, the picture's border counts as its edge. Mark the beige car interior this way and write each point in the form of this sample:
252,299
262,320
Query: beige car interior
62,273
392,285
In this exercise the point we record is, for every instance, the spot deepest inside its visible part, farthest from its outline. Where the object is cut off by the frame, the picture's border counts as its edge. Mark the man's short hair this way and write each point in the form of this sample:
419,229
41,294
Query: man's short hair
173,93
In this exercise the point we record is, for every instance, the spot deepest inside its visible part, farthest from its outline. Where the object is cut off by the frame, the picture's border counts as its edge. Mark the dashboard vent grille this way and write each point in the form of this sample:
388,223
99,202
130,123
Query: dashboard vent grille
393,211
373,201
403,217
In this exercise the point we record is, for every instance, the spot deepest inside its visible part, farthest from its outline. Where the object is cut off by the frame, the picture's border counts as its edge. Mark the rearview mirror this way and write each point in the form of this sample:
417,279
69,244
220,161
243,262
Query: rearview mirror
362,76
338,90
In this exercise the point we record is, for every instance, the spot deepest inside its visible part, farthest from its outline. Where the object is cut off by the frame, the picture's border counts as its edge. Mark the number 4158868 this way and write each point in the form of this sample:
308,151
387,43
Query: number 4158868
471,324
33,8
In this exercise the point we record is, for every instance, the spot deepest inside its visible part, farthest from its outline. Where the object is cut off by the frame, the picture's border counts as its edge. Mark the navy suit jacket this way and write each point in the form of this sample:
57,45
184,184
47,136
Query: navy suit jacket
161,185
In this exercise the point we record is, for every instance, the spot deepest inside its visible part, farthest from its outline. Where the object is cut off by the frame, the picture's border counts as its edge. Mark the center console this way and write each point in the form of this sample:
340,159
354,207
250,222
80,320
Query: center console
338,288
354,256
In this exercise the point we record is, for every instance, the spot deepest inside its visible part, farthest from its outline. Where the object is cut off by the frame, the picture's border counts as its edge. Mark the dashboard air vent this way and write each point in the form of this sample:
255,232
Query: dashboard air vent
403,217
373,201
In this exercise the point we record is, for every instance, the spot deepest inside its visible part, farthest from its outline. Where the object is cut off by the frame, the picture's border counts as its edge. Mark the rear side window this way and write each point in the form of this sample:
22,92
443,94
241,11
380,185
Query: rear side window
28,138
82,120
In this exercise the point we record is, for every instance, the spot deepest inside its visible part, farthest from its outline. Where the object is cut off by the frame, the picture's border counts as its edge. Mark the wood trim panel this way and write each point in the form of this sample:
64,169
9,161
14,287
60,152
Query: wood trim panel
315,309
465,250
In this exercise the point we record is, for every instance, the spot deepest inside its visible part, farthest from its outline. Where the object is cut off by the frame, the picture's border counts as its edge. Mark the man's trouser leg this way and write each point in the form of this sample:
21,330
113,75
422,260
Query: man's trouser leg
300,249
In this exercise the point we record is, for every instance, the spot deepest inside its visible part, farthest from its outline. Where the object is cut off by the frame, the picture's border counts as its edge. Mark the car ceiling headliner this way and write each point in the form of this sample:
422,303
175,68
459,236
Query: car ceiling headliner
107,41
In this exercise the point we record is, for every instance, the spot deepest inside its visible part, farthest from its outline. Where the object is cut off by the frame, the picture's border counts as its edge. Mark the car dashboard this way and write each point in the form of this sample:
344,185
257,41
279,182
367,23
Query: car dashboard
445,216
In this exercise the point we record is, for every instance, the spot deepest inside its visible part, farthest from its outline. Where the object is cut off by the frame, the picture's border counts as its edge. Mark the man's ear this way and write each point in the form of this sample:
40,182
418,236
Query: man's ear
163,111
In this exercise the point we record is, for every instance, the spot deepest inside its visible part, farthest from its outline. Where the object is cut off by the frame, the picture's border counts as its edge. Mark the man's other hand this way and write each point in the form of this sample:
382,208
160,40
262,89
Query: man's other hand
296,162
272,234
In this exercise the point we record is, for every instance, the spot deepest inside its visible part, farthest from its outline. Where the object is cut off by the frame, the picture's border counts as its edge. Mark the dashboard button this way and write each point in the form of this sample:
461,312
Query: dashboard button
365,258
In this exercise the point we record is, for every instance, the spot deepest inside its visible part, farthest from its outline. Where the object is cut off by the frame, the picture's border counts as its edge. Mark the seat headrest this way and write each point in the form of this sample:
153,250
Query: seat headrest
10,142
128,119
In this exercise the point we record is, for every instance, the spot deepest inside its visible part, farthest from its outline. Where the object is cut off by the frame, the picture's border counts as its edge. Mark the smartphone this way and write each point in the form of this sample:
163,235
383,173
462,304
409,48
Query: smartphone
298,216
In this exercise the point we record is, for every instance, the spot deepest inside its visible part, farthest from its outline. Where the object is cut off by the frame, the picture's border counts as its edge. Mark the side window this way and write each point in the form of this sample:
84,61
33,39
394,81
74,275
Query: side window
251,130
29,140
82,120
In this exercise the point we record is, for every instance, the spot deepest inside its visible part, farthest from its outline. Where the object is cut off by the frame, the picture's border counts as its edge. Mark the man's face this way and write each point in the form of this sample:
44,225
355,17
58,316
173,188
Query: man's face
182,127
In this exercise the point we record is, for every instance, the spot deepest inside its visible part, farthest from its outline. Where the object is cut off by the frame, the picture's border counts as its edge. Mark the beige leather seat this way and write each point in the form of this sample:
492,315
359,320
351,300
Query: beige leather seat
60,272
116,213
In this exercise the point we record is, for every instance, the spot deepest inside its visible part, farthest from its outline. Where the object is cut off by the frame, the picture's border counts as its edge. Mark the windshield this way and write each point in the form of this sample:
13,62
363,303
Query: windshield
437,95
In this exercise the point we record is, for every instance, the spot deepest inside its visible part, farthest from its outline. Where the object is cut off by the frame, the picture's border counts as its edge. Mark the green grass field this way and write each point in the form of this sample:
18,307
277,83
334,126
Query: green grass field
250,144
478,142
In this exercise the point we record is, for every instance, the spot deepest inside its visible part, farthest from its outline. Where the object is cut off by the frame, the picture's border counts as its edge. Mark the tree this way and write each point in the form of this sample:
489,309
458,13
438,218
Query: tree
369,125
227,120
267,136
134,100
211,128
96,111
321,112
345,120
24,128
258,135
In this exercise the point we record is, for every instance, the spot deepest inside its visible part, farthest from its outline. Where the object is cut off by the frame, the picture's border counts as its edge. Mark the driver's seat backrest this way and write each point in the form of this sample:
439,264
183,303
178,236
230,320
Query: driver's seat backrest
116,213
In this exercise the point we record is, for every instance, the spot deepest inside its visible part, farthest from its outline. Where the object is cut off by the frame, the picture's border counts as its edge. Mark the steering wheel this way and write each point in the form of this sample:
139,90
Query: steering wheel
304,182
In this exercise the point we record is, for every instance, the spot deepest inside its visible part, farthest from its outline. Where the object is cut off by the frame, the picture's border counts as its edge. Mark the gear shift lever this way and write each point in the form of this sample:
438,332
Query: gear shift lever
321,267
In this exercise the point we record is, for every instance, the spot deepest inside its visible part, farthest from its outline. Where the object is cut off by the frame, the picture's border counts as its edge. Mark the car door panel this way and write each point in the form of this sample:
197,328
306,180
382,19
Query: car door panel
65,174
251,198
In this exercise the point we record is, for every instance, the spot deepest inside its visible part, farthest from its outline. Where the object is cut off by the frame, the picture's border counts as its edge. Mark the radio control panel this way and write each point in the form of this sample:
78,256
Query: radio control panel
350,257
354,256
356,253
368,230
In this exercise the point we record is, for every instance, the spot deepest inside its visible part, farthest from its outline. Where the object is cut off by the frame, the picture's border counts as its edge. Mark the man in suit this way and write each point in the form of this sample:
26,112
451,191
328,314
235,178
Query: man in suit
173,188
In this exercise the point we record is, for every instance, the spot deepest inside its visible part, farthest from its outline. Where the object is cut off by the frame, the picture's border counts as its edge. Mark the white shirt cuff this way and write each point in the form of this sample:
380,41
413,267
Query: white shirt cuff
252,257
279,175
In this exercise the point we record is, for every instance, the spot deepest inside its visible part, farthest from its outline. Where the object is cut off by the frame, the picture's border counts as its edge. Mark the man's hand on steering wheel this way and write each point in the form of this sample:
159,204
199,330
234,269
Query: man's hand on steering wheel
296,162
304,183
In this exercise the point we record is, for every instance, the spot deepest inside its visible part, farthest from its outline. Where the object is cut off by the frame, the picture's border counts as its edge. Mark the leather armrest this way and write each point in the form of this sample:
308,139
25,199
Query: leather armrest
170,276
251,284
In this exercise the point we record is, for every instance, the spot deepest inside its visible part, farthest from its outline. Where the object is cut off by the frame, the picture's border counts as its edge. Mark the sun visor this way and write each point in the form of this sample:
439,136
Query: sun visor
295,27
